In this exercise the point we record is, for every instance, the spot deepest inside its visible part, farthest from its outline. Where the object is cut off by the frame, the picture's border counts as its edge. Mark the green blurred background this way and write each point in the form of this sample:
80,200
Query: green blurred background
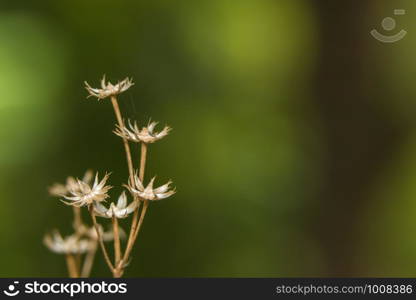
294,142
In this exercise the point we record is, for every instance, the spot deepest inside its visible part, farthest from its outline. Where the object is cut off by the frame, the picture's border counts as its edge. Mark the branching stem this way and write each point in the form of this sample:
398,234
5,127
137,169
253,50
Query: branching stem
136,222
100,239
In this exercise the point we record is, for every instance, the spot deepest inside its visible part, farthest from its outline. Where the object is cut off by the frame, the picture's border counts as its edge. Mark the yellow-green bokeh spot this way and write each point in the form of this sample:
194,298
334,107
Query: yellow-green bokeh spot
32,64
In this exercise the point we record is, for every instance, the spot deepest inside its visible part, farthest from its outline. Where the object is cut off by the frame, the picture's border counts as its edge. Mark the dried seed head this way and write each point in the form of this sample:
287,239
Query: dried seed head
150,193
71,244
61,190
146,134
108,89
82,194
119,210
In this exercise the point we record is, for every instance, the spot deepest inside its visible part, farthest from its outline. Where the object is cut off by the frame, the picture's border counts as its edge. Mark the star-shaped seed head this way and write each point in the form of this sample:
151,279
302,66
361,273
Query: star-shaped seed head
71,244
148,192
145,135
83,194
108,89
61,190
119,210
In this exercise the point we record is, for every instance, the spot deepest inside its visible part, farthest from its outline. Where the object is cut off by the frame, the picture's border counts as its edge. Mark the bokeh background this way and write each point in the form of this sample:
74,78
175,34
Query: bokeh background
294,141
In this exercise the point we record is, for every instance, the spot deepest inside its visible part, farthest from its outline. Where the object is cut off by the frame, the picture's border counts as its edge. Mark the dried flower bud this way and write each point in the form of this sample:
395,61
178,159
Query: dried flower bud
83,194
150,193
71,244
120,210
108,89
145,135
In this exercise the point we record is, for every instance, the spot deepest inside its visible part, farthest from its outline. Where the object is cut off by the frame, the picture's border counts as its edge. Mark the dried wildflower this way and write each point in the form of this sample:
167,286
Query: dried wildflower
145,135
71,244
108,89
149,193
86,192
83,194
61,190
120,210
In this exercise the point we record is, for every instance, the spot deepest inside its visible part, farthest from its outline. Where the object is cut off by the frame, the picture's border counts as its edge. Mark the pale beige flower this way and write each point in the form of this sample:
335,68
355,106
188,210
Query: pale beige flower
61,190
83,194
119,210
71,244
150,193
146,134
108,89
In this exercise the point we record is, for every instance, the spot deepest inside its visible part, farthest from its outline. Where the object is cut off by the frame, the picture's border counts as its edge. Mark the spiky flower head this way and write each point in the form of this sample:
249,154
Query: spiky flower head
108,89
84,194
148,192
71,244
61,190
146,134
119,210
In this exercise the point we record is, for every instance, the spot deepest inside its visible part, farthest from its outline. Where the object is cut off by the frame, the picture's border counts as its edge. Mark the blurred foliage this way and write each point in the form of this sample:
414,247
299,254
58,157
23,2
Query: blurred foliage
233,79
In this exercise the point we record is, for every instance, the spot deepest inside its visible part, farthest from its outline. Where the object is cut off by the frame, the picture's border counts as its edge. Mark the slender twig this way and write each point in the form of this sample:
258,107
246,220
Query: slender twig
125,141
89,261
100,238
72,266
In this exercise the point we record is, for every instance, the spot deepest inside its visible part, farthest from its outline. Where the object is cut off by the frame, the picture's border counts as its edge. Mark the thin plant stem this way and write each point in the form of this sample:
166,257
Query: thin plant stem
78,261
89,261
77,224
77,218
136,221
125,141
100,239
118,273
117,248
139,225
72,266
143,157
